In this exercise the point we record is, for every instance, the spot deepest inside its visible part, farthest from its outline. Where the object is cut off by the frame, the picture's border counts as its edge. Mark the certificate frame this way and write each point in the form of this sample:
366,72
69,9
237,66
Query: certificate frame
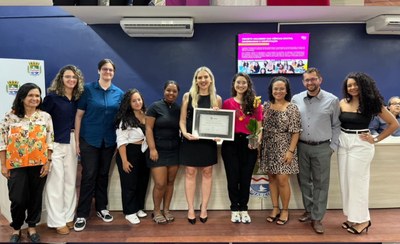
210,124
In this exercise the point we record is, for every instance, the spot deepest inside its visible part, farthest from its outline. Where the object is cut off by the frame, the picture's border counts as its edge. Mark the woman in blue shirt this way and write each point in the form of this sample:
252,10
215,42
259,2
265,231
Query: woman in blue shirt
61,104
96,141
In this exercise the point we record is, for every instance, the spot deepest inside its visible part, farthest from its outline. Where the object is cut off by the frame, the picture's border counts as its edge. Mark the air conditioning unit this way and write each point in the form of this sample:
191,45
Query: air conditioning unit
384,25
158,27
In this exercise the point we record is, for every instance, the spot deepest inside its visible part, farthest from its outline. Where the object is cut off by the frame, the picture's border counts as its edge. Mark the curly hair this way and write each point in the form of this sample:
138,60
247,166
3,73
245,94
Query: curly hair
57,85
249,94
285,80
125,113
370,99
18,104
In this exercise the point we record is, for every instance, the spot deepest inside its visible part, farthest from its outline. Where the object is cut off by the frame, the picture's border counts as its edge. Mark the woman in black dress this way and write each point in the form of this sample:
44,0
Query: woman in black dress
162,134
202,94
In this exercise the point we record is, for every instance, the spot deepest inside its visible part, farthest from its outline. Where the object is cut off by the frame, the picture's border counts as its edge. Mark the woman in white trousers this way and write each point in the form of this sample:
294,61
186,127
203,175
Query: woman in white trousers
60,190
362,101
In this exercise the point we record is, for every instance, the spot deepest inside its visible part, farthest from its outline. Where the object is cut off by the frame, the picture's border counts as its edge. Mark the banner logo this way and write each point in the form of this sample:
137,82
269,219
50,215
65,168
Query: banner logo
34,68
12,87
259,186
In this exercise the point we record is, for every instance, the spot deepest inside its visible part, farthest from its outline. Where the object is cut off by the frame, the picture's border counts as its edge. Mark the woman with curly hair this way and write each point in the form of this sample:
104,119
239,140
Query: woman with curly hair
238,155
131,160
362,101
61,104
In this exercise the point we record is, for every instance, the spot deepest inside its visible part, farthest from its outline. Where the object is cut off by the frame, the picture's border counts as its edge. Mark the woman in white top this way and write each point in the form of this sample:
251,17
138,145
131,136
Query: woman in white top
131,161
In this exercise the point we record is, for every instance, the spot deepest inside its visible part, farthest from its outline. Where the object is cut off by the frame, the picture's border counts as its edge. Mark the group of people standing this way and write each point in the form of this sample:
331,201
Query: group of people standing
96,120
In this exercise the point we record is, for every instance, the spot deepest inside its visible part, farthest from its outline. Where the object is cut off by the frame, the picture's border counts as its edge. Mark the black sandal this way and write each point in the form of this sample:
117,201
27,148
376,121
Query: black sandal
283,221
35,237
271,219
15,238
347,224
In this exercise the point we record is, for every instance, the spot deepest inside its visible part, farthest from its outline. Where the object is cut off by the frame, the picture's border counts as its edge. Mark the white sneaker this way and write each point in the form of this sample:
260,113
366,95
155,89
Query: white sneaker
105,215
235,216
245,217
132,218
141,214
80,224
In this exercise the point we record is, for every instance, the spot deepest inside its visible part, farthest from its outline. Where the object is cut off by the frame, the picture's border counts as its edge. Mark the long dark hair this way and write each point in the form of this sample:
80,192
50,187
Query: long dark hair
248,96
370,99
18,104
125,112
285,80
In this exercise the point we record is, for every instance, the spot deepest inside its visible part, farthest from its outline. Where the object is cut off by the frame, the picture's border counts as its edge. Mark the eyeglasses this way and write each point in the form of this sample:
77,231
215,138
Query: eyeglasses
68,77
107,69
398,104
314,79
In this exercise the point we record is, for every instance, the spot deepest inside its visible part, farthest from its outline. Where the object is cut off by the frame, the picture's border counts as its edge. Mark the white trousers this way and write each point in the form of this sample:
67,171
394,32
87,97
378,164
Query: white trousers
354,160
60,191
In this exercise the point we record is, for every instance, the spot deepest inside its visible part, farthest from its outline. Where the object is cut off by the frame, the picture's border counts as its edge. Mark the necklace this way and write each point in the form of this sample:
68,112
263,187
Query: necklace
240,113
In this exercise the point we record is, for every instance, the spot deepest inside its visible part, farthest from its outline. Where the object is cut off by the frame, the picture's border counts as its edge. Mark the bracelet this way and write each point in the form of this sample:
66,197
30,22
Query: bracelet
291,151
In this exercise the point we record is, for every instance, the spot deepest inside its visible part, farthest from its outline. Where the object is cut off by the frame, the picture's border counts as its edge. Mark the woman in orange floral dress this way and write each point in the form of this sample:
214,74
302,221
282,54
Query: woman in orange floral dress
26,142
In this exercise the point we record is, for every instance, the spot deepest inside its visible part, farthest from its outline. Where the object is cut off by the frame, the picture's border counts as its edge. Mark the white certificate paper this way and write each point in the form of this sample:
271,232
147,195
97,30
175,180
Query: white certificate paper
210,124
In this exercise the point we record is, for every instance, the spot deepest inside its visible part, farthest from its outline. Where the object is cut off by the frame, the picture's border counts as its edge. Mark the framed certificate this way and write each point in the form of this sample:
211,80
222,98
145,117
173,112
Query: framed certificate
209,123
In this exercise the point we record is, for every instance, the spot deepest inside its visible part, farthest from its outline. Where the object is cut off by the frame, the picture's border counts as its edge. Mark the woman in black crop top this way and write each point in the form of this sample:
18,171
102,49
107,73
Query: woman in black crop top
361,102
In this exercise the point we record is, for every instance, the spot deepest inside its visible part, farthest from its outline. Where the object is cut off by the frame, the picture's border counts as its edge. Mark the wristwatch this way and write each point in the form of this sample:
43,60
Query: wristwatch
376,139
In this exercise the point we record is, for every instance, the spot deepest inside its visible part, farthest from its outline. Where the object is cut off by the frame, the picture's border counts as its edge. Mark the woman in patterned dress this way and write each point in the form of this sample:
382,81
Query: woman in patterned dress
26,144
281,125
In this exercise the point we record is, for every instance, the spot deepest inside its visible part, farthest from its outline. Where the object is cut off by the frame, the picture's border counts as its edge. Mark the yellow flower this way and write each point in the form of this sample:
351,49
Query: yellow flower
257,101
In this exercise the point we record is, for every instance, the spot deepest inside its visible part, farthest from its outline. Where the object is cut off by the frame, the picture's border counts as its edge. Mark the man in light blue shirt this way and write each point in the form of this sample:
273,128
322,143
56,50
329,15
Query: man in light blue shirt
320,123
377,125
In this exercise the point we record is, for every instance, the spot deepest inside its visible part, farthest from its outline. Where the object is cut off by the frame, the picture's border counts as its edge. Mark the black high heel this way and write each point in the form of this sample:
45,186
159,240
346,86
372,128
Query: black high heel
203,220
192,221
353,230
